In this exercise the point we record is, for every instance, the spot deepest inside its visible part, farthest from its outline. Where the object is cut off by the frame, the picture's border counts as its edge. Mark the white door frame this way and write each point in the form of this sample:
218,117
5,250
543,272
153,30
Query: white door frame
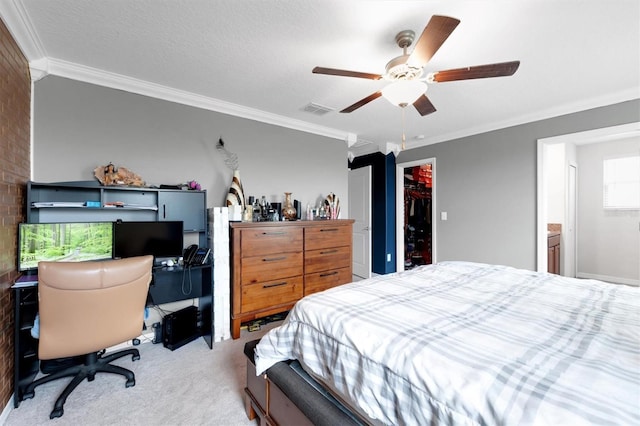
571,221
400,210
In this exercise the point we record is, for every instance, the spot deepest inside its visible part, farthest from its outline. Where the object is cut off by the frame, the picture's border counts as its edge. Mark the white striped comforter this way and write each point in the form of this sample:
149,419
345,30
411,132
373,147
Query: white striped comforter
466,343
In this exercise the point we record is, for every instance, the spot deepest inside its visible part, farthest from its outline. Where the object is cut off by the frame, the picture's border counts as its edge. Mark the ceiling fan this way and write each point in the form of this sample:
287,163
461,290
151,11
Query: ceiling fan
406,71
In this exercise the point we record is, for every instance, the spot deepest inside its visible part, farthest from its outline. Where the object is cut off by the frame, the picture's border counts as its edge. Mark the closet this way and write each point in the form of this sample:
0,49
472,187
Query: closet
417,215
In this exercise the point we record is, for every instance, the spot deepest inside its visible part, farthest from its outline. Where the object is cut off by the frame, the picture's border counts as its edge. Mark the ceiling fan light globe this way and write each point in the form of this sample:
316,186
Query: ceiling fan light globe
404,92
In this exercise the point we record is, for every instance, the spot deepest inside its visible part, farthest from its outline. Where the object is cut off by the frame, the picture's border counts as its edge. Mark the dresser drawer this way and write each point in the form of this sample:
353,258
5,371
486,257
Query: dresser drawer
271,267
268,240
320,281
271,293
329,235
327,258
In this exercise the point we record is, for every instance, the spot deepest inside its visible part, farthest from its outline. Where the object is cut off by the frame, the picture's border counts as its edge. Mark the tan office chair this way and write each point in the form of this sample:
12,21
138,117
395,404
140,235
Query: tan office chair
84,308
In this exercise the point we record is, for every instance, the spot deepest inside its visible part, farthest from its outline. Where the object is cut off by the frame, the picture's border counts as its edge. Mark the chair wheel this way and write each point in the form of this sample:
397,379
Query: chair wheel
130,383
135,357
57,412
136,342
28,395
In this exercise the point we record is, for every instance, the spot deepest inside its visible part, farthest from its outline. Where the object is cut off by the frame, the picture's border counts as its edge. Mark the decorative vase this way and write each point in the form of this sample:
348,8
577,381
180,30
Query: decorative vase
235,197
288,211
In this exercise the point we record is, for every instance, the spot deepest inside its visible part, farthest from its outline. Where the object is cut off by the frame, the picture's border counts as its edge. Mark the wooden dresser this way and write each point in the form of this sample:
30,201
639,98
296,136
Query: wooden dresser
274,264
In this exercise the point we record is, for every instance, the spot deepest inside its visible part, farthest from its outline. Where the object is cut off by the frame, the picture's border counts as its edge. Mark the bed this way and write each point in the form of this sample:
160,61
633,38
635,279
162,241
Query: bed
467,343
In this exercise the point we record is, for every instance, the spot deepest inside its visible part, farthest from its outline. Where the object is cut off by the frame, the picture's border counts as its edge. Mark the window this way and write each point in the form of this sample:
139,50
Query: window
622,183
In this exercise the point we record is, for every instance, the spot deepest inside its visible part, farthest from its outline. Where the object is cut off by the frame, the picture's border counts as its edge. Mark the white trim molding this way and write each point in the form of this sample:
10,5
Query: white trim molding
117,81
39,69
609,279
17,21
392,147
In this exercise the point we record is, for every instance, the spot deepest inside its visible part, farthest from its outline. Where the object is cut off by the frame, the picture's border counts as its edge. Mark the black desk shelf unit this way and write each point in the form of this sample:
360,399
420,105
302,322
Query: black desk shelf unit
25,354
65,202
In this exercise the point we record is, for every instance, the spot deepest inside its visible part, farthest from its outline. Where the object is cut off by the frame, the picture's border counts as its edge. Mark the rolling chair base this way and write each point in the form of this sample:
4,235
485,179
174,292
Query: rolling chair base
93,363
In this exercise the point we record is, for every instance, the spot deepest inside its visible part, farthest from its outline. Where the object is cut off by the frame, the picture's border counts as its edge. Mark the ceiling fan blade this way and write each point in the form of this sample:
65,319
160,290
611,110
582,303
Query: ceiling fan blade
424,105
345,73
502,69
362,102
434,35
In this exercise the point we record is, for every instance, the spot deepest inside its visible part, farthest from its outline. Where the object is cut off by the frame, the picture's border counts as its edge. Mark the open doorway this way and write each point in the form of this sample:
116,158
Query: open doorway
415,227
591,236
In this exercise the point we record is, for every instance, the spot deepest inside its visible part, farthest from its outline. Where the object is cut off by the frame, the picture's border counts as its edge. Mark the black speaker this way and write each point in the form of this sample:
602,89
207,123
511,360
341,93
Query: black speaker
180,327
298,206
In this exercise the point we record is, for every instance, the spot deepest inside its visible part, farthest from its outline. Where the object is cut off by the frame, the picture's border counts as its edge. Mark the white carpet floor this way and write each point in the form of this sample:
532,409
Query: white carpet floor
193,385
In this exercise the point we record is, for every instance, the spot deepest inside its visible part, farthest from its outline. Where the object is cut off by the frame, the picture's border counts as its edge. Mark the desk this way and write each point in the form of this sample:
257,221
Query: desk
167,285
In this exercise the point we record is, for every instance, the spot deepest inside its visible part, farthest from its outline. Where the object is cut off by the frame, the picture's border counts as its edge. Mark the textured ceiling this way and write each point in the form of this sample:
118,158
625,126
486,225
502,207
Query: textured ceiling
254,57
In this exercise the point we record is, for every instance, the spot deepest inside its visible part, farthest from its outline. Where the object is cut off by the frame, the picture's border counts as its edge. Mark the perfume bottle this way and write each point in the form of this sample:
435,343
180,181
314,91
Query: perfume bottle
256,210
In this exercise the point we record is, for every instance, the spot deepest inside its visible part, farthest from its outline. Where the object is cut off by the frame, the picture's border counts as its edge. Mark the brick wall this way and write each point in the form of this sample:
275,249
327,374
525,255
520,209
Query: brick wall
15,97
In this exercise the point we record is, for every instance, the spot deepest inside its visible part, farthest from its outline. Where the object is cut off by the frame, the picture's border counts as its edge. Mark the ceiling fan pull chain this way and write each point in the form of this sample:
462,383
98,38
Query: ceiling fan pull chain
403,136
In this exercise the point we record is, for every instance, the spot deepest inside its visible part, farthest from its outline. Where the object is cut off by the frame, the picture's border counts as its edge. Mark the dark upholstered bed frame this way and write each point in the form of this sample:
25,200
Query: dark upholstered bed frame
286,395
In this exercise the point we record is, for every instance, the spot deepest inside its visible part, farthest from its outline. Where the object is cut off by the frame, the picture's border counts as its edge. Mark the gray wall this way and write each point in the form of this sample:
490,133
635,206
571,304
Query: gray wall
487,185
79,126
486,182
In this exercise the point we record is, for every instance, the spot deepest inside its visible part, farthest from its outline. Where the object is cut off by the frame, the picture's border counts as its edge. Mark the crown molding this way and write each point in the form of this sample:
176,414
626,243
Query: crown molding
392,147
560,110
351,140
17,21
117,81
39,69
364,147
557,111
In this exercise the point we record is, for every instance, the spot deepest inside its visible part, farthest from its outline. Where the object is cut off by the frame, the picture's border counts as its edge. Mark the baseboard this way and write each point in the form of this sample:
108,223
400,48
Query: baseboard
609,279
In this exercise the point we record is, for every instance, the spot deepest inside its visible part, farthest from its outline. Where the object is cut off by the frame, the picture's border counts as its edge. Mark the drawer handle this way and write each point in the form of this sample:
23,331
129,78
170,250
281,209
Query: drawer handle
274,259
274,233
329,251
328,274
329,230
274,284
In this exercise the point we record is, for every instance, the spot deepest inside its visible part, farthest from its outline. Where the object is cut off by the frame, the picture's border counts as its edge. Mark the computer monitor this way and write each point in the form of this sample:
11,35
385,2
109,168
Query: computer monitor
163,239
63,242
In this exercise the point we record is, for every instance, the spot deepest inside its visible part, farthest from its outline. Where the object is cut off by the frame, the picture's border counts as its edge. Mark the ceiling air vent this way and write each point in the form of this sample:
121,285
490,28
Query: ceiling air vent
316,109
